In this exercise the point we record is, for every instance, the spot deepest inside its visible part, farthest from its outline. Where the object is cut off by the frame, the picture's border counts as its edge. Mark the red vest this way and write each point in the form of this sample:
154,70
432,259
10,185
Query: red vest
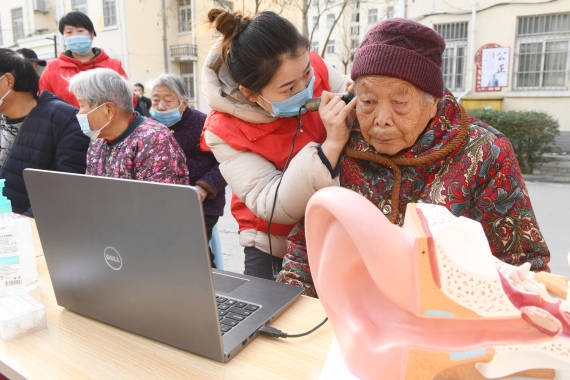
272,141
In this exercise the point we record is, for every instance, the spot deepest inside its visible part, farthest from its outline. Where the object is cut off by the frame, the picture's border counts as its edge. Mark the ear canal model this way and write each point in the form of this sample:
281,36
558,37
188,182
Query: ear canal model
429,300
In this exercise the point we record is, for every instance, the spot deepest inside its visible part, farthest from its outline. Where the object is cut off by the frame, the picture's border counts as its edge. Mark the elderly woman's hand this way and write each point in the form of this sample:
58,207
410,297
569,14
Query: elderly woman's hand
202,193
334,113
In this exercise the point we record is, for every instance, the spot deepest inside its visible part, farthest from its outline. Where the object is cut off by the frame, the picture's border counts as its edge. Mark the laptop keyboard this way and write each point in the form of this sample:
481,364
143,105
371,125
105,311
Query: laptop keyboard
232,312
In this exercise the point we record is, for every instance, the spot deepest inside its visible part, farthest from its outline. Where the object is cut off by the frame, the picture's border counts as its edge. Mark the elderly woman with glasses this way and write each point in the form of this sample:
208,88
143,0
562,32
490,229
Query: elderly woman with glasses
169,105
124,144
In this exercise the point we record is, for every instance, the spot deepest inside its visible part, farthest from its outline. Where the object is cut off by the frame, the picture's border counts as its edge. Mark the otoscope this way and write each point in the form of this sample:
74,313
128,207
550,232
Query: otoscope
313,103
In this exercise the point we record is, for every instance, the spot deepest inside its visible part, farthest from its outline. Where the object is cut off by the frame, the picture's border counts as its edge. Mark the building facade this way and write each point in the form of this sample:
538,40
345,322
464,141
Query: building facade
148,36
509,56
505,56
502,55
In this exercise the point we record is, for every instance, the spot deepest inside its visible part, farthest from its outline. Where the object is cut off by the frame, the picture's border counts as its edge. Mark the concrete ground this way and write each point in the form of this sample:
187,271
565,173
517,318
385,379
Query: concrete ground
551,203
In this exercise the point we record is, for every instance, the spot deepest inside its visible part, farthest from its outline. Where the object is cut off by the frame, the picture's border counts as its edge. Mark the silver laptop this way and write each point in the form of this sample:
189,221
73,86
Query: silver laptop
134,255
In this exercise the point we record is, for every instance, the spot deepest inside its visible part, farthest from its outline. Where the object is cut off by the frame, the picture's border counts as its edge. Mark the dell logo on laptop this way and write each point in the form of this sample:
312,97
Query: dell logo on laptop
113,258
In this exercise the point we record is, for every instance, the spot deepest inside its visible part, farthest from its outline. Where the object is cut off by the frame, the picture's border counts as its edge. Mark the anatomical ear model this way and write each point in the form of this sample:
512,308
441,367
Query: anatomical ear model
429,300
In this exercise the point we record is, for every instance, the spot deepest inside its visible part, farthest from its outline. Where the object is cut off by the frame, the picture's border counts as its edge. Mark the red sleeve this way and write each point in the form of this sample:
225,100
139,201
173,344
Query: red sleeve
45,83
321,70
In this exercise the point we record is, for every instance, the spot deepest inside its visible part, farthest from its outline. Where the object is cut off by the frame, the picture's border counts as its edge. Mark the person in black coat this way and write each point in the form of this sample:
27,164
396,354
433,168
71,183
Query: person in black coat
35,132
143,103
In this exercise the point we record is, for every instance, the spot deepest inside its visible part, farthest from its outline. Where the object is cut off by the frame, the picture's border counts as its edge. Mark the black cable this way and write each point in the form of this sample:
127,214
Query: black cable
276,333
273,267
268,330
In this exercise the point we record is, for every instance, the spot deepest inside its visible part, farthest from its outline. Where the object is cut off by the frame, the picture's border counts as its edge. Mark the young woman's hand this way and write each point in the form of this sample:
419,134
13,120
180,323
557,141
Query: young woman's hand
334,113
349,85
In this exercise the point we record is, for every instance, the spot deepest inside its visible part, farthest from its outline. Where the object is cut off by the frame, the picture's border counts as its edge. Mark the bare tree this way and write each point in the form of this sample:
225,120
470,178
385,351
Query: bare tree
342,5
347,51
277,6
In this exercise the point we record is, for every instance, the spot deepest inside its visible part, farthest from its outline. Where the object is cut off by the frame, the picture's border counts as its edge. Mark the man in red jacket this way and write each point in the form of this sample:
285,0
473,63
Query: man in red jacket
78,32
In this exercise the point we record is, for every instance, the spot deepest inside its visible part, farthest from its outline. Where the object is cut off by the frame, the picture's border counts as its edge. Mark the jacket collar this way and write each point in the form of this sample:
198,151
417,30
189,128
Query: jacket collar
69,61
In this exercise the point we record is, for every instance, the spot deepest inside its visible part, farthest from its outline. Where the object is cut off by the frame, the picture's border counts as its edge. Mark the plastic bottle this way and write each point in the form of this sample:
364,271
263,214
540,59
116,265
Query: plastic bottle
18,271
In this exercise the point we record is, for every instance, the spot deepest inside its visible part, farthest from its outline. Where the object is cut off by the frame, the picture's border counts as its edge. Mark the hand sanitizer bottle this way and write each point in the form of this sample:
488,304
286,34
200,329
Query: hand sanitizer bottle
18,271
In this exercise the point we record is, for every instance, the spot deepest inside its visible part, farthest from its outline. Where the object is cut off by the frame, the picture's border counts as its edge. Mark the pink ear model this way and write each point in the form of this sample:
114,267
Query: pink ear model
428,300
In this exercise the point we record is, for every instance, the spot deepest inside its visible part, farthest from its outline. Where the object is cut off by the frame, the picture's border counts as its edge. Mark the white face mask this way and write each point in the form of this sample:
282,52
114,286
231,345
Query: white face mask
5,95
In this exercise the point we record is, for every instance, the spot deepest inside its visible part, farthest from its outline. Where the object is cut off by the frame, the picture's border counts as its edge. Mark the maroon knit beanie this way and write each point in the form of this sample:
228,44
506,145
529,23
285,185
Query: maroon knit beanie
404,49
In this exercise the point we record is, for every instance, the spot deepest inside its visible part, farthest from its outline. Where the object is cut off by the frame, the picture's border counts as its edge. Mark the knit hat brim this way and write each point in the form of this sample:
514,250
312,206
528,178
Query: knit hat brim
405,64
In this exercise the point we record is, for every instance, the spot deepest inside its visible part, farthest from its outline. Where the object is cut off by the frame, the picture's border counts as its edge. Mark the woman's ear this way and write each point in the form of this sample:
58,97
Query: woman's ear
111,110
250,95
433,107
11,80
183,105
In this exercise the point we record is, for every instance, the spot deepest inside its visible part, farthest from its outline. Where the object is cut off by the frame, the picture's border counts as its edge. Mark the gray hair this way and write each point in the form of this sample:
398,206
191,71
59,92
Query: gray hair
429,97
102,85
173,82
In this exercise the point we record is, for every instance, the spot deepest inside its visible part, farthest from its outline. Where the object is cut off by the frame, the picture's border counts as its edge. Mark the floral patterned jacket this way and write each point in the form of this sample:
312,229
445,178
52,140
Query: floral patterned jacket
145,151
458,162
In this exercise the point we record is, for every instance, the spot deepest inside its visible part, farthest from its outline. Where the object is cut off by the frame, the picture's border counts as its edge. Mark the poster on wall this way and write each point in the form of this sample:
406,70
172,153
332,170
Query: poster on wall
492,63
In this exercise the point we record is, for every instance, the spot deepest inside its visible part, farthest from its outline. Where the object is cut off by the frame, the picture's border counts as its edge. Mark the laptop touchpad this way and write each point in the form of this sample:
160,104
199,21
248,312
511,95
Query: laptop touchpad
227,284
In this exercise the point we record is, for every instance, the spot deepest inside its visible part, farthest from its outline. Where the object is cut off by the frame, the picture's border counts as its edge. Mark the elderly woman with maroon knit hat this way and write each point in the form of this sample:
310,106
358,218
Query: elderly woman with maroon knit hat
414,143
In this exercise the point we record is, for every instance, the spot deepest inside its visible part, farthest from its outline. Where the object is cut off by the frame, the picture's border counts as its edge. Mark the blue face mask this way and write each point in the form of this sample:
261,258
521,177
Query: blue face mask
79,44
168,118
290,106
85,127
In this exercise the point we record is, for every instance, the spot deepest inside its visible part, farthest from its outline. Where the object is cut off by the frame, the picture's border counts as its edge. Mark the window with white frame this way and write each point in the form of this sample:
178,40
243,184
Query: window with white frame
355,30
372,16
316,46
330,20
184,15
355,17
454,56
390,12
17,23
354,44
187,75
109,13
330,47
542,56
315,23
226,4
79,5
356,4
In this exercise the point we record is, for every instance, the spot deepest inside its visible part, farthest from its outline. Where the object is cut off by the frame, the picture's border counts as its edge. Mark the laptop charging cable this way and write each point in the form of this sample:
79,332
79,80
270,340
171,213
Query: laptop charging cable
268,330
276,333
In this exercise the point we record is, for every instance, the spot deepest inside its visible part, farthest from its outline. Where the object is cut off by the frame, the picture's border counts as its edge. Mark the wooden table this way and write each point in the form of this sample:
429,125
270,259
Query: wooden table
77,347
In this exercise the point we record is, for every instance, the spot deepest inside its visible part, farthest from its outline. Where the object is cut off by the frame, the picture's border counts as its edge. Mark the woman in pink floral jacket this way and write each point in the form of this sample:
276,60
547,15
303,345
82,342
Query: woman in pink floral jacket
124,144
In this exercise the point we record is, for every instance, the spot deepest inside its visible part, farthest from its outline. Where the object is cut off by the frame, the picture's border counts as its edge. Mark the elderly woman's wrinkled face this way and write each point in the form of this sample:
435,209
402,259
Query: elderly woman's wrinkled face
392,112
163,98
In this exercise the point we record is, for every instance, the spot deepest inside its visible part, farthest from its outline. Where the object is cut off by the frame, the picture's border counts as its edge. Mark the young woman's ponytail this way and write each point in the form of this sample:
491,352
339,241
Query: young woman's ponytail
253,49
229,25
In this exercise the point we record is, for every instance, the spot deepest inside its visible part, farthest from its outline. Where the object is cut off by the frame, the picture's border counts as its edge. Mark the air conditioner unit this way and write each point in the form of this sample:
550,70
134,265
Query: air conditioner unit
41,6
